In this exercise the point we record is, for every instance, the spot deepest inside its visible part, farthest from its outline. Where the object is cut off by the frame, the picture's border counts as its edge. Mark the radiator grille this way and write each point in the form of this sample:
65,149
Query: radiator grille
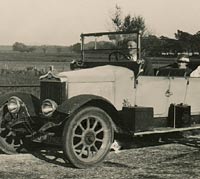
53,90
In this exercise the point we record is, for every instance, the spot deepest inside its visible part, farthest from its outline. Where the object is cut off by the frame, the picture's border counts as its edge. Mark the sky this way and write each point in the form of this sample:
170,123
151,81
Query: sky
60,22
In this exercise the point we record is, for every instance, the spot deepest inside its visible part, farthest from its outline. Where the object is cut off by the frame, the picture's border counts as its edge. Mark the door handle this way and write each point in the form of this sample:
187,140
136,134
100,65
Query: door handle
168,93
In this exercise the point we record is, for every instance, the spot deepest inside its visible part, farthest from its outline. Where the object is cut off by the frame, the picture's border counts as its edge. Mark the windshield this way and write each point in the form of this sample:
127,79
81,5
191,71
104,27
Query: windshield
106,45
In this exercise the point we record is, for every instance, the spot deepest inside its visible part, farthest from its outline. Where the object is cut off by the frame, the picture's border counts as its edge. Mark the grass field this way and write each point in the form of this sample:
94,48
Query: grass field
25,68
19,61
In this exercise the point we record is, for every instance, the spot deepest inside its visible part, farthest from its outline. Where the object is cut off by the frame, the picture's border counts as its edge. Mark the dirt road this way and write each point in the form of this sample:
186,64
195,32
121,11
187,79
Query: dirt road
177,159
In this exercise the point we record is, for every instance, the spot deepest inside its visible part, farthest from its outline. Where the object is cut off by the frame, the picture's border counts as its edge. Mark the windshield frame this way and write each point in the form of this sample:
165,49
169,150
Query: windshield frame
99,34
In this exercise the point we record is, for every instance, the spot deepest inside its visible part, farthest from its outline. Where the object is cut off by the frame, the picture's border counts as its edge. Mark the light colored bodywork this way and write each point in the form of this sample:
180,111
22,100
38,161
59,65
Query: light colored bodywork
118,85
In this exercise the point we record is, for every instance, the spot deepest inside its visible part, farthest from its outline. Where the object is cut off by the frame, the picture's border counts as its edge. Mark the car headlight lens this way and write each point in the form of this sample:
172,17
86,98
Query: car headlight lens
48,107
14,105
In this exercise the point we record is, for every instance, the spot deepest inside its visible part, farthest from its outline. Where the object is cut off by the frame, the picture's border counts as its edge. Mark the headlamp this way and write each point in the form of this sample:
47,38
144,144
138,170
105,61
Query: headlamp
13,104
48,107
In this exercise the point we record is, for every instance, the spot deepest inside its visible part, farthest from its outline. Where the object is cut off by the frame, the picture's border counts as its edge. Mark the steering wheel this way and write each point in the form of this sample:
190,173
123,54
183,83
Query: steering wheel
117,56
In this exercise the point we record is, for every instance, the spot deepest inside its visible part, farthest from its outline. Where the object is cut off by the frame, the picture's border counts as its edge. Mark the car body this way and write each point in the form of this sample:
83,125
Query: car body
81,110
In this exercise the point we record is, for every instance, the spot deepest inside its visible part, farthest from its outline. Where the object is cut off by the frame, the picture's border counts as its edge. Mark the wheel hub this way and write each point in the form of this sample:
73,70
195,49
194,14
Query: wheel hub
89,138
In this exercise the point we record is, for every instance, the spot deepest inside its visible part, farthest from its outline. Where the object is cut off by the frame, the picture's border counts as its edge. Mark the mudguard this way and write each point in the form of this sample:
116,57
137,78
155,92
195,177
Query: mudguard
72,104
32,103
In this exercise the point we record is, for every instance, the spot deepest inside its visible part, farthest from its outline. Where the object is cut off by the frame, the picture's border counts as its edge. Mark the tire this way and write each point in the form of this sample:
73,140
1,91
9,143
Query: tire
10,142
87,137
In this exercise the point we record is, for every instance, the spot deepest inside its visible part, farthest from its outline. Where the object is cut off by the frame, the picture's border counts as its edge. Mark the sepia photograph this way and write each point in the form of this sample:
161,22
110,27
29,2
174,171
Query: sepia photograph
100,89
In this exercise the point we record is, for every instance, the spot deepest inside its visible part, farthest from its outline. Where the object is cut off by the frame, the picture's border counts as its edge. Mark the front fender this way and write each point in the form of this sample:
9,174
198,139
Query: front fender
32,103
76,102
72,104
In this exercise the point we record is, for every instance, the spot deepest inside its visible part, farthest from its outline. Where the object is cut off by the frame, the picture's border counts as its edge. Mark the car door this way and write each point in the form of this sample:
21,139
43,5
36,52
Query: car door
153,91
193,94
177,90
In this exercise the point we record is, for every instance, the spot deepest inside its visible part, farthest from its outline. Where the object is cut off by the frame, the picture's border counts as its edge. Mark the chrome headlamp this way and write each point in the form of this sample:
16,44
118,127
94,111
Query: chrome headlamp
48,107
14,104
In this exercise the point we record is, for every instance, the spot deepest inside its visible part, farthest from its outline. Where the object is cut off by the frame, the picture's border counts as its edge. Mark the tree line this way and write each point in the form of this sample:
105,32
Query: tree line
152,45
183,42
21,47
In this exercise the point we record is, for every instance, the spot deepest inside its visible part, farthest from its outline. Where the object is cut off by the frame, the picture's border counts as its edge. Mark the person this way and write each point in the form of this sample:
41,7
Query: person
144,64
132,51
182,63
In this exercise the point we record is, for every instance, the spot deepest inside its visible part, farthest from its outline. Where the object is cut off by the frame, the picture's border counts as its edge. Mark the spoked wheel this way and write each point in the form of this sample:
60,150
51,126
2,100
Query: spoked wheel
87,137
10,142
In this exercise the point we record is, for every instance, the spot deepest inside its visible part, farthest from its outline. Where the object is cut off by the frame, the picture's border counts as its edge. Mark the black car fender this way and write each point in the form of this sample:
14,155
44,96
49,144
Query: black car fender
32,103
71,105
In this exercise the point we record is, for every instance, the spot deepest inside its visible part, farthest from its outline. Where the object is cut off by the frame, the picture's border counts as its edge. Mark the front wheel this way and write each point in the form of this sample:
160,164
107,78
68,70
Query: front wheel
10,141
87,137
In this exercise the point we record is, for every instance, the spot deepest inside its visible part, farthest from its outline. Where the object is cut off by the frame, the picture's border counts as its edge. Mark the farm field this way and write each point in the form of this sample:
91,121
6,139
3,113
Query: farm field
21,61
25,68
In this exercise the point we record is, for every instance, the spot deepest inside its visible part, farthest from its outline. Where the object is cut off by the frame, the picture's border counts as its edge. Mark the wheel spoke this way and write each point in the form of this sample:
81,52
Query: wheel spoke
78,144
2,129
98,131
88,123
10,134
95,148
81,126
20,141
78,135
82,151
89,152
99,140
13,143
94,125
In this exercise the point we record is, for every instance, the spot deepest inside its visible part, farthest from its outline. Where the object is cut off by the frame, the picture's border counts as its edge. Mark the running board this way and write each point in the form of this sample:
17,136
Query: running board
167,130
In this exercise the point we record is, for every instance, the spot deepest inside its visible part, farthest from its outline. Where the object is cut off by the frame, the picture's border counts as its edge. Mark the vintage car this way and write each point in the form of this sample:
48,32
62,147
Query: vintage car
81,110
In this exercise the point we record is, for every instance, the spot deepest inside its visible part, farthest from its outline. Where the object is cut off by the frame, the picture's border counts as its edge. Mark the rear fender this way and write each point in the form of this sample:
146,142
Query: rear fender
32,103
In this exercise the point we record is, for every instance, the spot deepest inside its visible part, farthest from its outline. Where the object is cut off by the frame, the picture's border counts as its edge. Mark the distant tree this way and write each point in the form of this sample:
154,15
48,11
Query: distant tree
196,42
152,45
58,49
171,46
18,46
128,23
76,47
185,39
131,23
117,19
31,49
44,49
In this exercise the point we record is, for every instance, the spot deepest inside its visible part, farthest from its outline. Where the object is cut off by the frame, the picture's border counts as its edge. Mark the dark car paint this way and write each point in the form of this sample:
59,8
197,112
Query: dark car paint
32,103
72,104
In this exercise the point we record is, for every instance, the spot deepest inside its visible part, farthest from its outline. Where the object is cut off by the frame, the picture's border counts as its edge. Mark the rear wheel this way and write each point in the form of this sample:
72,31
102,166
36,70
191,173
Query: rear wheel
87,137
